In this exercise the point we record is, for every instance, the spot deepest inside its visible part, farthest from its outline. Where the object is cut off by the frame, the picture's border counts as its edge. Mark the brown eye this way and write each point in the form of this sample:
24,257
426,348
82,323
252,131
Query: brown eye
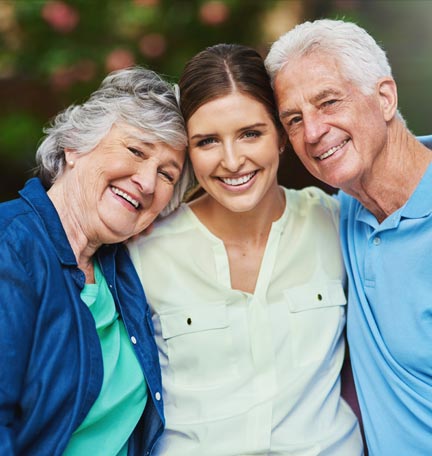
167,176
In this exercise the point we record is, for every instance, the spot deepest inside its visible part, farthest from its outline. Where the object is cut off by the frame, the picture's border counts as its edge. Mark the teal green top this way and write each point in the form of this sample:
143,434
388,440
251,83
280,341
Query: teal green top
111,420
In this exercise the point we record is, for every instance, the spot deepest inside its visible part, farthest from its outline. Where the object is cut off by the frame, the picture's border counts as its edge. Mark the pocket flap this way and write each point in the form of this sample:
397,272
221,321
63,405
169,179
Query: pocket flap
315,296
190,320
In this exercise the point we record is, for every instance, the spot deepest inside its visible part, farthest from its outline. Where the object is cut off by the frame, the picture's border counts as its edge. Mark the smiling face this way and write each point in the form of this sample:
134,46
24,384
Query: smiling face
117,189
234,149
336,130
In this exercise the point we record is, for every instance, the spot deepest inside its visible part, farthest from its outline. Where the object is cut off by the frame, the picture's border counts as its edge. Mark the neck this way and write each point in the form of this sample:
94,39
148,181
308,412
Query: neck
72,225
394,175
245,227
244,234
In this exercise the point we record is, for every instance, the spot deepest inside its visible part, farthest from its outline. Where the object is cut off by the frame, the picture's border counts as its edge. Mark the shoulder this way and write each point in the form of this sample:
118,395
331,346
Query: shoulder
17,221
19,218
178,221
164,232
308,198
349,206
11,210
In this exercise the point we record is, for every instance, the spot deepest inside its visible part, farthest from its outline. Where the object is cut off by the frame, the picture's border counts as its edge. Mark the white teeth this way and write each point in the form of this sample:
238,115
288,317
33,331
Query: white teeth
127,197
239,180
332,150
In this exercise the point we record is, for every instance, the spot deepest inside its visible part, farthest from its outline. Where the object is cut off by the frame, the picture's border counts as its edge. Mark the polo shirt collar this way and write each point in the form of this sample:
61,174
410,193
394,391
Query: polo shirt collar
420,203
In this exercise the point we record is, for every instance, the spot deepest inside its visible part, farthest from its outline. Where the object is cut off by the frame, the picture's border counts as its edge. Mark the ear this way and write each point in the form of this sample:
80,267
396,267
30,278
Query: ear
283,141
70,156
388,98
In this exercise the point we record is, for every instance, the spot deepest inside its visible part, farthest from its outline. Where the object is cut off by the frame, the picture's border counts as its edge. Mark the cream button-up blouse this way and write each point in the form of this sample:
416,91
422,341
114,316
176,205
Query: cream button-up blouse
251,374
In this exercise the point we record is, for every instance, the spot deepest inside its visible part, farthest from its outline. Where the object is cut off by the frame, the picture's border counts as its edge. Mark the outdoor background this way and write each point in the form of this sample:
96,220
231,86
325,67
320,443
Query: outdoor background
56,52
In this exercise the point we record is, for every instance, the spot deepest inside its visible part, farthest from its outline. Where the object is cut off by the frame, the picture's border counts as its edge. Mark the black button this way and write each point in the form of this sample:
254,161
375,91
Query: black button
319,296
189,321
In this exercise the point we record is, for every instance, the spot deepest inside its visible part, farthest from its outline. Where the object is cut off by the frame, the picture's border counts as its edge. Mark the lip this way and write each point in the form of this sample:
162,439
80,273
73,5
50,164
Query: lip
127,199
328,153
238,182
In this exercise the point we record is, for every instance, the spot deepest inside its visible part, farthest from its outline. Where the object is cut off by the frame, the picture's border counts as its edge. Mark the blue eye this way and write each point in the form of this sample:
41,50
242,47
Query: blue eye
252,134
329,102
136,152
294,120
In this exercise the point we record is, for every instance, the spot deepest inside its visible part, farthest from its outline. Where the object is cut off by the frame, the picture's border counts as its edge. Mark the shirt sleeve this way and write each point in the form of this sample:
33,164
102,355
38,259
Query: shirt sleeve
17,317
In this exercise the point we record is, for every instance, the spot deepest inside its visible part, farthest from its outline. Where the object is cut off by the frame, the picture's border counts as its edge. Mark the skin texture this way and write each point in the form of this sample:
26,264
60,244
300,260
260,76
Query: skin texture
324,111
234,139
347,139
127,160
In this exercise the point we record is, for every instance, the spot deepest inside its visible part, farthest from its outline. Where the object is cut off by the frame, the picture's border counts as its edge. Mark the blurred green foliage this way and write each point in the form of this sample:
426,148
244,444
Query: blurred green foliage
56,52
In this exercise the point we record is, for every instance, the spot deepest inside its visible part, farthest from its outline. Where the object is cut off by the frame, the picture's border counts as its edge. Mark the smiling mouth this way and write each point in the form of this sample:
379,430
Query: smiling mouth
238,180
331,151
125,196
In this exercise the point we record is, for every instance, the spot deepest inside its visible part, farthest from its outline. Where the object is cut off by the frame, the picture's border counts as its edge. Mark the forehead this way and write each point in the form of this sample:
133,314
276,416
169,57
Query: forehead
306,76
123,133
234,106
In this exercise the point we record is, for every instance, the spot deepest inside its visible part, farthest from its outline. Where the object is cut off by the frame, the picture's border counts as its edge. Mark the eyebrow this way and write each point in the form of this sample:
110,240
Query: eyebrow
324,94
141,140
151,145
175,164
315,99
247,127
287,112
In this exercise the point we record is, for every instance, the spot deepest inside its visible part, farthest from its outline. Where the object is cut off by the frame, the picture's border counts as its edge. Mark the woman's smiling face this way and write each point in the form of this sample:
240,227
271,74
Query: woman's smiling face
234,148
121,186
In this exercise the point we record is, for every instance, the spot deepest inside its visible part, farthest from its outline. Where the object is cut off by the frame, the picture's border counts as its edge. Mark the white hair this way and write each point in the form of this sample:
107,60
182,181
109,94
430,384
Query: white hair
361,59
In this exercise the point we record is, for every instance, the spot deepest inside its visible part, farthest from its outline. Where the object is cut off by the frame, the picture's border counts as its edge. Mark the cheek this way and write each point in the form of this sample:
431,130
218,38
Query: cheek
202,166
272,161
294,138
163,195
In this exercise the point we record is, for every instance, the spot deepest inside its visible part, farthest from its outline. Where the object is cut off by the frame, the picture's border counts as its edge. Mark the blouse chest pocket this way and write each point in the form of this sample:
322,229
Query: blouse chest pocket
200,346
317,318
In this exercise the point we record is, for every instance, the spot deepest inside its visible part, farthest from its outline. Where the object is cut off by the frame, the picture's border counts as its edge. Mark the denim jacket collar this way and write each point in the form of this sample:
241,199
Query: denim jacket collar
35,195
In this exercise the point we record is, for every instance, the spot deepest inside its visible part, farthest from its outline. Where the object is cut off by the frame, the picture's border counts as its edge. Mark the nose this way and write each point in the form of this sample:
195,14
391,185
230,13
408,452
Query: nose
314,127
145,178
233,158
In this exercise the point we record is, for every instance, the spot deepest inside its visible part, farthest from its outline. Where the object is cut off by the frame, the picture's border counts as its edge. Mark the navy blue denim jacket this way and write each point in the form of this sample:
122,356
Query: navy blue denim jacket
50,358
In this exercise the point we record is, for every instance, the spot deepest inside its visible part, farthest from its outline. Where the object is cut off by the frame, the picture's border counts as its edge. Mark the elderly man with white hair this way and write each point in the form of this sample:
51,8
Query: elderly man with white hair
338,102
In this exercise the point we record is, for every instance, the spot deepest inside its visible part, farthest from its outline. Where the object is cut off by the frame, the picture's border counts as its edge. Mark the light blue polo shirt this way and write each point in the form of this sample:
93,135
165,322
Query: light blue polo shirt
389,268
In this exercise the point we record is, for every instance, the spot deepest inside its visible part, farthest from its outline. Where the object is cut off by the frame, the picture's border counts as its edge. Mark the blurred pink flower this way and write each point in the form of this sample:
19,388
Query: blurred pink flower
65,76
62,78
152,45
214,13
118,59
85,70
62,17
146,2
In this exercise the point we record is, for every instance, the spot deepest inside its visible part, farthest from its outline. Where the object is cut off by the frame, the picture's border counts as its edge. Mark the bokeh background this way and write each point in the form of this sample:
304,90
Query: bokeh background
56,52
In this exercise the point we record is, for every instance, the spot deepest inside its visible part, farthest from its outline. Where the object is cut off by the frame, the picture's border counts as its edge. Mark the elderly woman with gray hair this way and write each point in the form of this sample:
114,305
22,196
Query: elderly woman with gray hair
80,371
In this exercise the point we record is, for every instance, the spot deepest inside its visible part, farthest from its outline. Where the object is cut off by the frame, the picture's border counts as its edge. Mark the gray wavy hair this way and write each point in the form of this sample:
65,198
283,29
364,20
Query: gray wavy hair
136,96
